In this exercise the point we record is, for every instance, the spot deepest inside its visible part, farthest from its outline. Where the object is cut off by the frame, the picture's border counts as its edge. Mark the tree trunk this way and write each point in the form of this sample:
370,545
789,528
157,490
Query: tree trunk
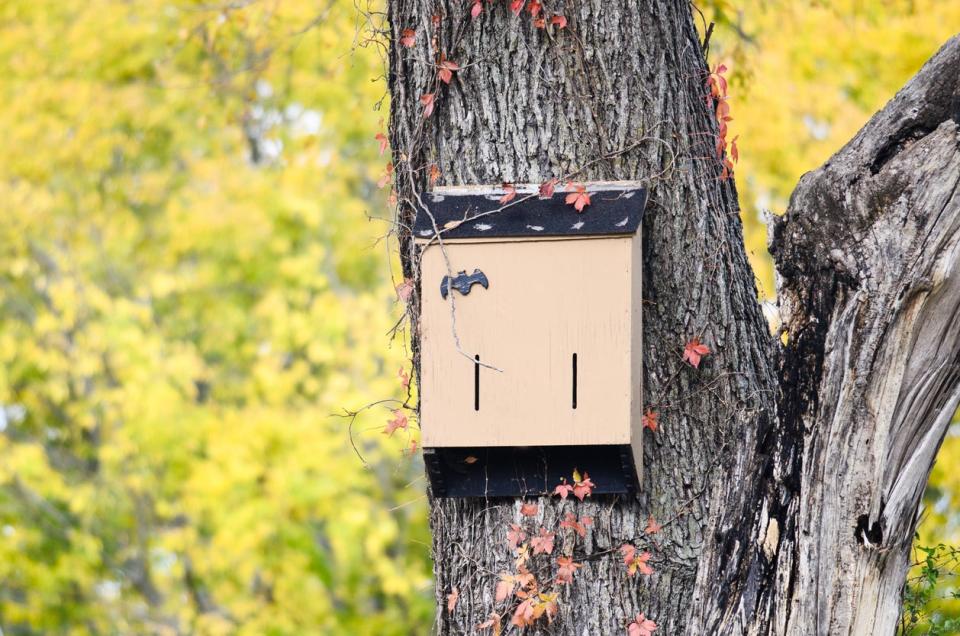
786,508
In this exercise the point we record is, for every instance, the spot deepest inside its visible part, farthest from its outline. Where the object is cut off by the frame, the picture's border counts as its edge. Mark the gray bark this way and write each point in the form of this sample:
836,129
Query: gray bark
787,477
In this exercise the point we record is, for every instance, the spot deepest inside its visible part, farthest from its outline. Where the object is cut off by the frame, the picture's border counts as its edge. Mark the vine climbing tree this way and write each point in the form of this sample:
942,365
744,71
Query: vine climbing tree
782,473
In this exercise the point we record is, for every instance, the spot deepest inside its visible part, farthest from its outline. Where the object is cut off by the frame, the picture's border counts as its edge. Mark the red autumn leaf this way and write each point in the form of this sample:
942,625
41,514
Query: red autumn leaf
505,587
565,569
509,195
493,621
564,489
434,173
723,111
383,142
516,6
579,198
534,7
559,21
635,562
641,626
524,614
652,526
580,527
408,37
413,447
399,421
547,187
447,67
405,289
435,20
727,171
582,487
540,23
404,378
734,153
650,420
387,175
515,535
693,351
476,8
542,544
427,100
529,509
452,599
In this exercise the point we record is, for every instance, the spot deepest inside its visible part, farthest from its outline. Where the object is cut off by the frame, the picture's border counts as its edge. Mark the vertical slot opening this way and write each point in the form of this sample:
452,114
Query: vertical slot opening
476,382
574,380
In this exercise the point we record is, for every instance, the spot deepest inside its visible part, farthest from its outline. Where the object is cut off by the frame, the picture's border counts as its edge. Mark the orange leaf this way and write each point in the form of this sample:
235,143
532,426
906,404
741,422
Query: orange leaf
579,198
582,487
516,6
652,526
510,193
650,420
493,621
387,176
452,599
399,421
565,569
427,99
515,536
383,142
547,187
693,351
505,587
542,544
447,67
408,37
405,289
641,626
580,527
434,173
559,21
564,489
529,509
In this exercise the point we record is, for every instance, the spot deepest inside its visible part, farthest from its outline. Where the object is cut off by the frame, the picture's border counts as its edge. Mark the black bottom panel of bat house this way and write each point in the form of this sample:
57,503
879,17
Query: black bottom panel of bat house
514,471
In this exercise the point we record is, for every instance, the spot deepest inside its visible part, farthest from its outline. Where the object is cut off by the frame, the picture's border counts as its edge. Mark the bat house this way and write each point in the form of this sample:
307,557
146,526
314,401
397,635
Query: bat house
530,339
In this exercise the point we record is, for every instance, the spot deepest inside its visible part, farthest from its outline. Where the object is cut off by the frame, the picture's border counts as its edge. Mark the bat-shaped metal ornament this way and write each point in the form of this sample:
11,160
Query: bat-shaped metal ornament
462,282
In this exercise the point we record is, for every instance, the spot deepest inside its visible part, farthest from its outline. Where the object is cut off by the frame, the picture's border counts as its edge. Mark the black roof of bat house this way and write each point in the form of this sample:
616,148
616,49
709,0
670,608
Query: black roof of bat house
545,302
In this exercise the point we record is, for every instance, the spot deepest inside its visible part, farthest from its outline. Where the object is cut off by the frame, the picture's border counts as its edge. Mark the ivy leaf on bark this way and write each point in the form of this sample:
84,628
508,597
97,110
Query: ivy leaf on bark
641,626
427,100
650,420
542,544
447,67
694,351
408,37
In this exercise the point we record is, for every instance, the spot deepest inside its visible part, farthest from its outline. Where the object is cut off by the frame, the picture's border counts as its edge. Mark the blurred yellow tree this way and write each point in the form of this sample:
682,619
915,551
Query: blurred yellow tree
189,287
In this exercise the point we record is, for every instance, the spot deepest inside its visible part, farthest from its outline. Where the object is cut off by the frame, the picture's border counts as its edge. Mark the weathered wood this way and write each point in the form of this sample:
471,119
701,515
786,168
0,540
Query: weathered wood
789,508
869,260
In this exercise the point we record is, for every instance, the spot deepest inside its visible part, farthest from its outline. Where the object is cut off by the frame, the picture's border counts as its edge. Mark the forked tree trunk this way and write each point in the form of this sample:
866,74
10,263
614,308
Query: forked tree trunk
787,477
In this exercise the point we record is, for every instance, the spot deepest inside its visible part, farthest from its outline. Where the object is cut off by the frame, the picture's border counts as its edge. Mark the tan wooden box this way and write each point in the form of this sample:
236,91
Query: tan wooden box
536,369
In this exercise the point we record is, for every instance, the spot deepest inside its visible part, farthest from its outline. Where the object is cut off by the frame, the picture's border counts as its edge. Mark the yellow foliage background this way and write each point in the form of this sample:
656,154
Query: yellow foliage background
192,283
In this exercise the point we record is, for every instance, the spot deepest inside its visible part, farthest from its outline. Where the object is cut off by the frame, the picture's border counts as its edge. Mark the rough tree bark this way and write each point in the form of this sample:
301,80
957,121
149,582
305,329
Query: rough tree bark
787,476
